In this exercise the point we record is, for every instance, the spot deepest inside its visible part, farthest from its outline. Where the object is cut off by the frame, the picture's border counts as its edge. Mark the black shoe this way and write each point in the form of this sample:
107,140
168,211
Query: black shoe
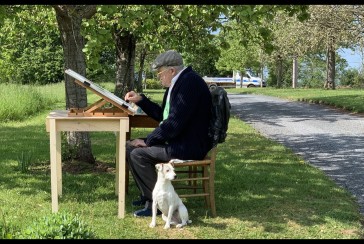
140,202
146,211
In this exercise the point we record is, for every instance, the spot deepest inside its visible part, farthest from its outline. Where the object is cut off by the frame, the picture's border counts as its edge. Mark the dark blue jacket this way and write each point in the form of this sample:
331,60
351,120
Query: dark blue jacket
186,128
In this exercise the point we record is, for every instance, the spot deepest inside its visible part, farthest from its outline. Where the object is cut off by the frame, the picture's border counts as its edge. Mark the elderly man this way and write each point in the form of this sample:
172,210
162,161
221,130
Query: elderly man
183,130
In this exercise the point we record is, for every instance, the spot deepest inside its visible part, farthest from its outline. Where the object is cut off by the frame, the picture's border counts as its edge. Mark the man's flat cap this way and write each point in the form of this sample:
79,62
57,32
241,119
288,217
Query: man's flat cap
168,58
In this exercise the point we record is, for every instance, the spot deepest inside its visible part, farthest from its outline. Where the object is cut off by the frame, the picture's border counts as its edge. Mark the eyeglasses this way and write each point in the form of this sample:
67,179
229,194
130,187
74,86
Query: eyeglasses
158,74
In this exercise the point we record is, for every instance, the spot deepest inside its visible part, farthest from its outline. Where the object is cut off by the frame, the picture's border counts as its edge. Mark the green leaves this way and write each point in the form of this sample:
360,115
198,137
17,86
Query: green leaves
264,32
58,226
30,47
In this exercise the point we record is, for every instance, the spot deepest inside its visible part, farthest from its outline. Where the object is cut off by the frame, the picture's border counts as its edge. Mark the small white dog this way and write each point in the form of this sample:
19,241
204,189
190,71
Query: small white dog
174,212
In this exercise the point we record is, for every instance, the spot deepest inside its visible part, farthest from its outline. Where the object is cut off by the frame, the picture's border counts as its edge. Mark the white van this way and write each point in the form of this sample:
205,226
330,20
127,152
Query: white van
249,79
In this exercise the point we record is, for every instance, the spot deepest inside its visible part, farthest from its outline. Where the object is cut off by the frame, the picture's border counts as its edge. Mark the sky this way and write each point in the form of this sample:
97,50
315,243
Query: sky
354,59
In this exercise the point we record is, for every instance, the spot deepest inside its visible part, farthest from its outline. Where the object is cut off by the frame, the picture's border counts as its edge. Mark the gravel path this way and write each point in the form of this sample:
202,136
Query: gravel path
328,139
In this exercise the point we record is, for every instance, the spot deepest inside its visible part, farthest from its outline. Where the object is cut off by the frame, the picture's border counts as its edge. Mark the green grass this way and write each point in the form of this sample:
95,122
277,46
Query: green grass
263,190
348,99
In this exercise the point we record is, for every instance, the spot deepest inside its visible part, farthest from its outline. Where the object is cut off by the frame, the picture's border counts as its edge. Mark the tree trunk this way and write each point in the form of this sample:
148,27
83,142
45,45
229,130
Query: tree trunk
330,79
125,62
261,75
139,81
295,72
279,71
69,18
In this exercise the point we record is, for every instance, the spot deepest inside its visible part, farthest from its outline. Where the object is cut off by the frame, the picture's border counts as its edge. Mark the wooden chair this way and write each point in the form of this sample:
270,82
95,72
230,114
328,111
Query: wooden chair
198,178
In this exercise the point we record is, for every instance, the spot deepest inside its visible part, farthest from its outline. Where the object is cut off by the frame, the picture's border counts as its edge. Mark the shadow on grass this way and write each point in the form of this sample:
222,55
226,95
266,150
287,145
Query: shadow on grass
257,184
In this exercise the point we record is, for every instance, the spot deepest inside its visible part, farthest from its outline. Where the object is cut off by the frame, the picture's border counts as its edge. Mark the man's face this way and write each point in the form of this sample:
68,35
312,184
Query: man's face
165,75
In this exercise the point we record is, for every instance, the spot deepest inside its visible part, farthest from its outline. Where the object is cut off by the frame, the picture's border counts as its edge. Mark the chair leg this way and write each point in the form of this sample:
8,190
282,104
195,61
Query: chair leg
205,185
212,191
212,196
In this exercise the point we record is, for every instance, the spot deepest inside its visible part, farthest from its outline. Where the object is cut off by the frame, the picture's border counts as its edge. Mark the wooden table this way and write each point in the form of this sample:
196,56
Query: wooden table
59,120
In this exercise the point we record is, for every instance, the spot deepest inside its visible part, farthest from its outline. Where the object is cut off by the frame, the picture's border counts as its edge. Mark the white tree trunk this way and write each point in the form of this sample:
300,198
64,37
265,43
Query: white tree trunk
295,72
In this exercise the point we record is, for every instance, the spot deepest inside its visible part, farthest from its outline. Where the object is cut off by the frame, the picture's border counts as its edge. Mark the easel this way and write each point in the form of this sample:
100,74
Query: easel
97,109
120,107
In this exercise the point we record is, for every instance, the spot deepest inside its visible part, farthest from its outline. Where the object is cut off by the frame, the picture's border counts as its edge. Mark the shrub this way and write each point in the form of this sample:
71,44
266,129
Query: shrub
7,230
153,84
58,226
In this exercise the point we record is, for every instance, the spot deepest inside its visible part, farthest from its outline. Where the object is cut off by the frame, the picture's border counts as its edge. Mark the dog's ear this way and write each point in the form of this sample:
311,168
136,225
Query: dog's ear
159,167
172,164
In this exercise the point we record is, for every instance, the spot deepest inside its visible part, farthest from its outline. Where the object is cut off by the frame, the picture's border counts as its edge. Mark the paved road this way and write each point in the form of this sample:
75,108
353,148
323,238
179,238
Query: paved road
328,139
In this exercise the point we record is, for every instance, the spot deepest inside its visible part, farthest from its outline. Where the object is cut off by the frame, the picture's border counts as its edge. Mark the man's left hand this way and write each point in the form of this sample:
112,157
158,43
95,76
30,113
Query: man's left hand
138,143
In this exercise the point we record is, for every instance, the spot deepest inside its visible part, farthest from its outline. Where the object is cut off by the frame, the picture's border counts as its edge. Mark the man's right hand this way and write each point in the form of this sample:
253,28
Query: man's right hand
133,97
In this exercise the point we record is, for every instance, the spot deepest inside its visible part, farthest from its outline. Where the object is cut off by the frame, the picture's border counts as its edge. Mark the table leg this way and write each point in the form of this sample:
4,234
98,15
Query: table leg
121,169
56,168
117,163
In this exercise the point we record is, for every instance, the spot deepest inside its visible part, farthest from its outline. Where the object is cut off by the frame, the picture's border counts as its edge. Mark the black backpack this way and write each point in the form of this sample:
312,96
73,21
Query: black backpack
220,115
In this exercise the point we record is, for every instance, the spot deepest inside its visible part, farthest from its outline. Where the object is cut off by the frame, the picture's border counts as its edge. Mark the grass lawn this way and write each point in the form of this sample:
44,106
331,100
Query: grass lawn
263,190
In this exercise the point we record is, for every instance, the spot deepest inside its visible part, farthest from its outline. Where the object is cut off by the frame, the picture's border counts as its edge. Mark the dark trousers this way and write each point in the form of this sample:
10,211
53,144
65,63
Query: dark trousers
141,162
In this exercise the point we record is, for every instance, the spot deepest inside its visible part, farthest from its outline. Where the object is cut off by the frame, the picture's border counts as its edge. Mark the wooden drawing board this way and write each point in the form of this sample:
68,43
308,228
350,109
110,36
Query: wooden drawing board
105,94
